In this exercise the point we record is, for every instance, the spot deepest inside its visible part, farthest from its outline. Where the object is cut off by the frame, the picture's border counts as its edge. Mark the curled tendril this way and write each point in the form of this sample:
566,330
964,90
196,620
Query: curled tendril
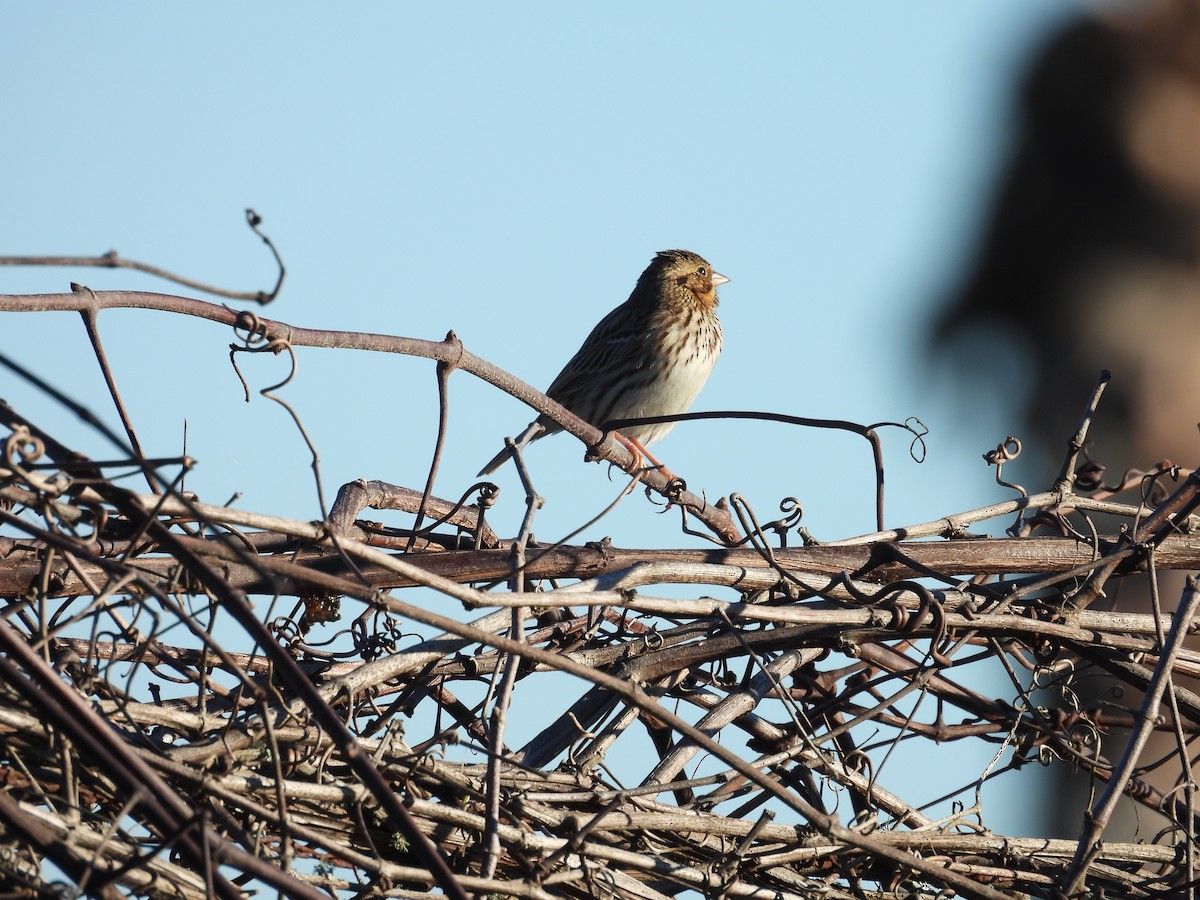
755,535
652,640
1044,677
1153,492
23,448
254,220
249,329
793,512
488,492
376,645
1084,733
860,763
252,333
96,515
1046,756
917,449
1046,650
791,509
315,650
928,607
675,490
1006,451
286,631
372,645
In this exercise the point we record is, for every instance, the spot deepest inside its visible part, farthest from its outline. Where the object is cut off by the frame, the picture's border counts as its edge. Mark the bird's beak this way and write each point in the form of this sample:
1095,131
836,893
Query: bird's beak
718,279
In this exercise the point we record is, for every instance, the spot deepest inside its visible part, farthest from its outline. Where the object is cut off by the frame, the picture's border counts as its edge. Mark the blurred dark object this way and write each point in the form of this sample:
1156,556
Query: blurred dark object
1089,255
1090,259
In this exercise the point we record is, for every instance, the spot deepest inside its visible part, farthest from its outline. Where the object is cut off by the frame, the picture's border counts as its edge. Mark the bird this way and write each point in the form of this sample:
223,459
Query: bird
648,357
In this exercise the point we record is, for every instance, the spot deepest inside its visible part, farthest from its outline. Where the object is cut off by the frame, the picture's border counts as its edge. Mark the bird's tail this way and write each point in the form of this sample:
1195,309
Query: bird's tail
526,437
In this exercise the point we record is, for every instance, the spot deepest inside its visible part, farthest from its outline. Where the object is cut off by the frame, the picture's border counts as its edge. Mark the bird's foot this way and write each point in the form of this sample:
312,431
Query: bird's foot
641,454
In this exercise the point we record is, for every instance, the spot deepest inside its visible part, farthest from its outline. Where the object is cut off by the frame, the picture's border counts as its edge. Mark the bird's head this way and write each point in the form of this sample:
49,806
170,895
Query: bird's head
681,276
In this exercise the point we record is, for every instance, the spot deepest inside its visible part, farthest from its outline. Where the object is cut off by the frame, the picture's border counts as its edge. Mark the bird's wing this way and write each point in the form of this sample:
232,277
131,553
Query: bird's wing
617,343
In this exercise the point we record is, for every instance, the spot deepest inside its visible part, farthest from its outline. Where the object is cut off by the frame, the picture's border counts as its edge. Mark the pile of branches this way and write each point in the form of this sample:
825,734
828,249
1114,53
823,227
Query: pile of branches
196,700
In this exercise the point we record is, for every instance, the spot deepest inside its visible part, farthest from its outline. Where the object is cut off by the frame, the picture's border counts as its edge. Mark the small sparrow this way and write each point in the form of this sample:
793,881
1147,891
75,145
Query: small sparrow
648,357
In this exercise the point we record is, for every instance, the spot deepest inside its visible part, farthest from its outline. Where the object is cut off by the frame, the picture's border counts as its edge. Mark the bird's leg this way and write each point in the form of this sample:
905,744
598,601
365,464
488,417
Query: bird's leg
638,449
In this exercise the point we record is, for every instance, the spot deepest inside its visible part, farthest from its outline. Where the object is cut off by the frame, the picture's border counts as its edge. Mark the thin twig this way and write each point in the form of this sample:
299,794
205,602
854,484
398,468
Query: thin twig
113,260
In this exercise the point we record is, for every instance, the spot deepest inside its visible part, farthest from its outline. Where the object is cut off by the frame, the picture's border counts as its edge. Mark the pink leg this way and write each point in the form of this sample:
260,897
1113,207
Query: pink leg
638,449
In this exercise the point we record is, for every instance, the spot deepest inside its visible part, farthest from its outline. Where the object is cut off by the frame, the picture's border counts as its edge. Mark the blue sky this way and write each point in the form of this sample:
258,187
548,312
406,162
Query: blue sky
507,171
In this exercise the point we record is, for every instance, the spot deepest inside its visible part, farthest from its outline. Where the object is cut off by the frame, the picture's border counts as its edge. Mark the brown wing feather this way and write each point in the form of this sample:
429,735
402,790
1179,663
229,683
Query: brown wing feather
616,344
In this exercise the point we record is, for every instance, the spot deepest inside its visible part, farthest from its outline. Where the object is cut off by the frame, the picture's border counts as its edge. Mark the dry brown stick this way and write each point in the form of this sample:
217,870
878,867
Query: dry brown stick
1066,477
93,332
443,382
615,568
733,706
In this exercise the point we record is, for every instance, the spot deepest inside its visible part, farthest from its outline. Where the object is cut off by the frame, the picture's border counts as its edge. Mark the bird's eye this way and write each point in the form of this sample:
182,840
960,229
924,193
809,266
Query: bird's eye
702,271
